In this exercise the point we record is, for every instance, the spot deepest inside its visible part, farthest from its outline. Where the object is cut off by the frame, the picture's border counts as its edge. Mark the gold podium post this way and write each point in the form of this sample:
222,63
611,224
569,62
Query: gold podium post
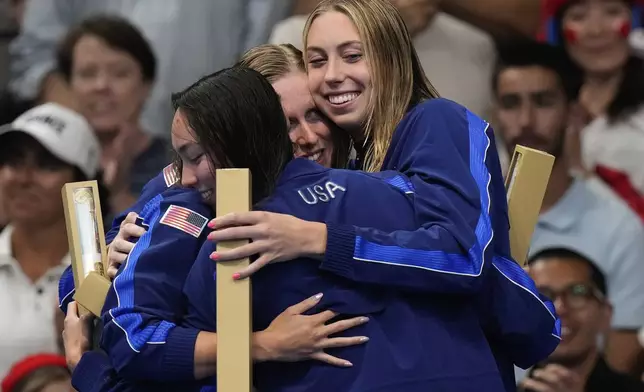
234,303
87,249
526,184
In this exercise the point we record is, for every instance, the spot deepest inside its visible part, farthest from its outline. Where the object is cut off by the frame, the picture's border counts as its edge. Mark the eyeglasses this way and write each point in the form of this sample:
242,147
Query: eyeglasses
575,296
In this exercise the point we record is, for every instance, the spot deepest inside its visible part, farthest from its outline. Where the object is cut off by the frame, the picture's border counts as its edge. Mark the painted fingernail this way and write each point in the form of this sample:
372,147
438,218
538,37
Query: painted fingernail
211,224
364,319
318,296
364,339
214,256
236,276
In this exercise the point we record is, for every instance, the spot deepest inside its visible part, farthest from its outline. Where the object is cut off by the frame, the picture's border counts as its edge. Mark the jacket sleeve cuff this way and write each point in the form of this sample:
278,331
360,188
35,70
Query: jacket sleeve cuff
340,245
94,367
179,360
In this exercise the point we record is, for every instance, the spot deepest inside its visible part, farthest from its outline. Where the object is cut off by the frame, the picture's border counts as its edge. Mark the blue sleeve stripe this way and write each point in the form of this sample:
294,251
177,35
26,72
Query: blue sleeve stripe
401,183
65,286
438,260
124,315
516,275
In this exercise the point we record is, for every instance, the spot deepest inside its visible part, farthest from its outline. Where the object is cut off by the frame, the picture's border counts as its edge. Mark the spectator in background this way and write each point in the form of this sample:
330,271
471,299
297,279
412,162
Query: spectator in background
595,34
10,108
17,11
10,105
39,373
40,151
578,289
190,39
536,86
110,69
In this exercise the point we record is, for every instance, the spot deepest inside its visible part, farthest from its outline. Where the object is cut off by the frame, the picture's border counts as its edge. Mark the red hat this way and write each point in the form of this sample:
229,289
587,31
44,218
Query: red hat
27,365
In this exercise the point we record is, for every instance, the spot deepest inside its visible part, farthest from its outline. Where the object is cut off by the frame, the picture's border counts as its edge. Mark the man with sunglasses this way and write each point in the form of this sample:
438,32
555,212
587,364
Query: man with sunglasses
578,289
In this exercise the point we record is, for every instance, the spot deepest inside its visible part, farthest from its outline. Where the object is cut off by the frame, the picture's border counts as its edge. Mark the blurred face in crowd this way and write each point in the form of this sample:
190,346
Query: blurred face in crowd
582,308
197,171
32,179
309,130
531,109
595,32
338,72
109,84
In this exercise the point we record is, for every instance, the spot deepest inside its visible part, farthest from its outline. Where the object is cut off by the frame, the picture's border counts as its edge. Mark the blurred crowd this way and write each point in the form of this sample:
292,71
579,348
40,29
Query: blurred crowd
562,76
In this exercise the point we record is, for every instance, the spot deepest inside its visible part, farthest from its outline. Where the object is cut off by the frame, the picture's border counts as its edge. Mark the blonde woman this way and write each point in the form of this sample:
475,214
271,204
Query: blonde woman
364,74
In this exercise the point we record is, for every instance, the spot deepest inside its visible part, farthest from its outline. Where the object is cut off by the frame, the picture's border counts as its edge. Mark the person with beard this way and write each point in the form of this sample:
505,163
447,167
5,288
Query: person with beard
536,86
578,289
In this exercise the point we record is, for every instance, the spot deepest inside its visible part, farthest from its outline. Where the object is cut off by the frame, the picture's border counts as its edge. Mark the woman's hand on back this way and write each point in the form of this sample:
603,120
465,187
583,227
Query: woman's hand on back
293,336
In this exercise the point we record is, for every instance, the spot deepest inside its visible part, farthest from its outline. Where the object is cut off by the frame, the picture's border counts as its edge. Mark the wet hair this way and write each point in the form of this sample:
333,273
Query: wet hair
596,276
236,116
118,33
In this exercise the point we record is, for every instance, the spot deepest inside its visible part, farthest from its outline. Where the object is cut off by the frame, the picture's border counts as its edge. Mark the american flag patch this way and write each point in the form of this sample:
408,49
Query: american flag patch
170,175
185,220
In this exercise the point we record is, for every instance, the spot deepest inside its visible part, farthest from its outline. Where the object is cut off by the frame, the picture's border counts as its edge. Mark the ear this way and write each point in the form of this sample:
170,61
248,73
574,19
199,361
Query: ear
606,317
146,90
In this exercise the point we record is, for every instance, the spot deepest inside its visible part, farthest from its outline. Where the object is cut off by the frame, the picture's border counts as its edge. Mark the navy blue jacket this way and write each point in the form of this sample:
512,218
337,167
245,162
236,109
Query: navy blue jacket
164,180
418,341
462,246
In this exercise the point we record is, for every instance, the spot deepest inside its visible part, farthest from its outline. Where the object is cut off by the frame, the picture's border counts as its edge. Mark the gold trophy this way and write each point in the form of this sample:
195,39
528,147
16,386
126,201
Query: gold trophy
87,248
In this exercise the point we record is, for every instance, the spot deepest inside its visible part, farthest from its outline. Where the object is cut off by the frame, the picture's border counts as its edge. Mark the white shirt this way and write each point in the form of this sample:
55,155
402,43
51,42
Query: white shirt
26,308
619,146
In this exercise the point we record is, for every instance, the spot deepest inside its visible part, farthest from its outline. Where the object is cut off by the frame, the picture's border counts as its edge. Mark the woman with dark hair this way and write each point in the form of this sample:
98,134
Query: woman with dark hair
227,120
110,68
596,35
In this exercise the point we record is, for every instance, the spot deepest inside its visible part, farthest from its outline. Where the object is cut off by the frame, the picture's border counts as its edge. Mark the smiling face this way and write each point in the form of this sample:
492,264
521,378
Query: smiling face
596,34
108,82
197,172
338,72
567,281
308,129
32,178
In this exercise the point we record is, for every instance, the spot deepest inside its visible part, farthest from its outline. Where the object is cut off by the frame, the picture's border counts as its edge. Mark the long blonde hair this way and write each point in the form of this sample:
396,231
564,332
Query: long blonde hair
397,77
276,61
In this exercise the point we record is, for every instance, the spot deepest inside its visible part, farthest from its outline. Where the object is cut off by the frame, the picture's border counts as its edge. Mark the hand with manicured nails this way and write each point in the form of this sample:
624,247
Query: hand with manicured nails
293,336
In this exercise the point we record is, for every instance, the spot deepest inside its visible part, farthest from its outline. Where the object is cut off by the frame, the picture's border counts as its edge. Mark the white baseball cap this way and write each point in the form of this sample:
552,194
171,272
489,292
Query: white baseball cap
63,132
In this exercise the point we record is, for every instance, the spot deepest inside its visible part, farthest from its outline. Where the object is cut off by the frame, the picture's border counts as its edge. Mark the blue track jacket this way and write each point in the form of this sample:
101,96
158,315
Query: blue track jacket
463,246
164,180
145,302
418,341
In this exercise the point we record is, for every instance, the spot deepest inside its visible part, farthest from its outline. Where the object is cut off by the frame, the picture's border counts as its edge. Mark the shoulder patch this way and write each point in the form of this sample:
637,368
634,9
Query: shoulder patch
170,175
185,220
